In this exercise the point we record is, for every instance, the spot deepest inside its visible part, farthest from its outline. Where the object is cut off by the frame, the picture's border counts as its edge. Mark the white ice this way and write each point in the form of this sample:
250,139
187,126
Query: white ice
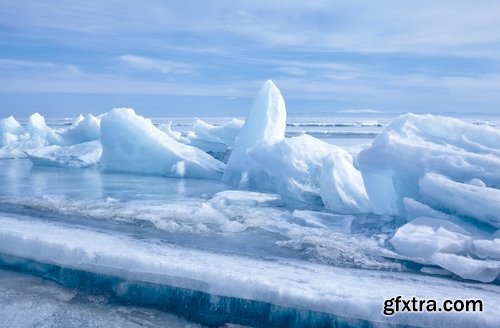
84,129
131,143
446,244
225,134
266,122
80,155
413,145
312,171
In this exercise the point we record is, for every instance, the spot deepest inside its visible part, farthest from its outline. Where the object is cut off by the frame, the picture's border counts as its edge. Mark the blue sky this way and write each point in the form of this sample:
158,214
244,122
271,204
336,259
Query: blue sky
207,58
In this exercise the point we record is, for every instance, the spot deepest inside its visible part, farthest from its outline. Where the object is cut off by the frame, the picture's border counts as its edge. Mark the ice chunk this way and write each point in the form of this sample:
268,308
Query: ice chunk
415,144
423,237
84,129
341,186
468,268
8,138
132,143
266,122
10,125
37,127
295,167
17,149
176,135
223,133
79,155
481,203
487,249
246,198
448,245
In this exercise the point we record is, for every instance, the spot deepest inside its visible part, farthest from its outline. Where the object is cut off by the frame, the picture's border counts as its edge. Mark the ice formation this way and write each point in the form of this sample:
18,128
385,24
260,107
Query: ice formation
413,145
83,129
319,288
266,122
225,134
79,155
176,135
132,143
312,171
448,245
38,128
10,125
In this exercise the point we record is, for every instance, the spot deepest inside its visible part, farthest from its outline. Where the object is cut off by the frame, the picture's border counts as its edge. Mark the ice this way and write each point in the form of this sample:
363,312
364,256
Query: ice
38,128
132,143
17,149
413,145
80,155
10,125
83,129
309,170
246,198
448,245
424,236
480,203
177,136
487,249
341,186
344,293
266,122
219,134
10,131
7,138
29,301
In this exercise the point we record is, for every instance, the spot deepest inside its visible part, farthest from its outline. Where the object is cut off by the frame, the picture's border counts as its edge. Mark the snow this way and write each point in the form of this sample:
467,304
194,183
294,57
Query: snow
83,129
413,145
344,292
80,155
266,122
131,143
309,170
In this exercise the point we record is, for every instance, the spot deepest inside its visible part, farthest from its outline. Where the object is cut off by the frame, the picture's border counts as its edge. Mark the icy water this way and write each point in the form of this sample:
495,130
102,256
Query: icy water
157,243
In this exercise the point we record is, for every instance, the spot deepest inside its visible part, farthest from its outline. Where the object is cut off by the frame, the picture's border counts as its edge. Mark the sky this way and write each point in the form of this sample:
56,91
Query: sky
208,58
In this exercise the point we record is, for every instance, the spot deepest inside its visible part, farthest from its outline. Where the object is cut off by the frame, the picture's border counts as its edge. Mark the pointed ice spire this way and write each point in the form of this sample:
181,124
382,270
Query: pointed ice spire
266,122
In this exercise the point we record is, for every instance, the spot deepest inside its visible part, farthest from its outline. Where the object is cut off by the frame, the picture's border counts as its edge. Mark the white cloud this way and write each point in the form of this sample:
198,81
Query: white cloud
156,65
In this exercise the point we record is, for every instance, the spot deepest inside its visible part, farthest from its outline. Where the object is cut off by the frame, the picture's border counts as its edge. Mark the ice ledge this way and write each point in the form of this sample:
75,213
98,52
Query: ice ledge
303,286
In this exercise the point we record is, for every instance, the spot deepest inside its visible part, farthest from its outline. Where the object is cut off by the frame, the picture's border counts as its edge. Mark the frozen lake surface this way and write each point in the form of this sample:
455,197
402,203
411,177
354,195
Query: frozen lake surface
130,237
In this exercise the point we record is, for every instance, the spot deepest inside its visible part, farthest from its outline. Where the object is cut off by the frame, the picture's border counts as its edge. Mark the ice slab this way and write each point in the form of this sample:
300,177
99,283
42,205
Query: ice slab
413,145
79,155
132,143
344,292
478,202
309,170
446,244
